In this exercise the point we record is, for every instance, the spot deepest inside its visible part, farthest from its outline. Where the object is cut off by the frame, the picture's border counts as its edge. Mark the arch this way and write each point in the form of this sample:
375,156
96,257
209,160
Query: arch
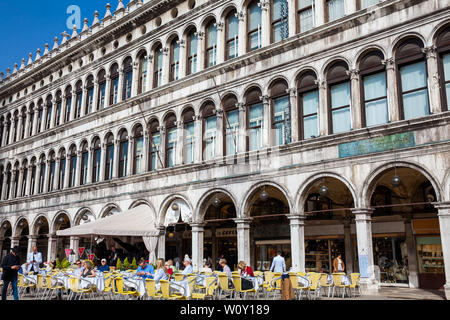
226,9
372,179
17,226
79,215
206,200
437,30
55,221
299,73
302,193
34,225
274,80
166,203
330,62
207,19
107,208
246,201
364,51
187,29
404,37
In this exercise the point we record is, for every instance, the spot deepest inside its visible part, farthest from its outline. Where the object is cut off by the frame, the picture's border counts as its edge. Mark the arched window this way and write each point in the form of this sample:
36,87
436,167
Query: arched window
138,156
16,180
443,48
48,120
40,114
84,163
109,159
412,79
305,14
174,59
72,166
339,98
189,136
334,9
209,131
114,89
363,4
192,48
2,131
52,168
255,115
8,128
373,89
58,107
308,105
171,140
155,137
68,107
24,179
128,78
16,125
42,174
158,66
62,169
8,181
101,99
211,44
280,26
90,95
143,72
78,99
280,113
254,22
231,125
33,176
123,153
231,35
96,158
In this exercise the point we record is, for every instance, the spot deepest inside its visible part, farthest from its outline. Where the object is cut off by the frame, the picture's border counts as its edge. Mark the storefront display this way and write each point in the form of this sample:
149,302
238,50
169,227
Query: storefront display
266,250
431,262
391,256
319,254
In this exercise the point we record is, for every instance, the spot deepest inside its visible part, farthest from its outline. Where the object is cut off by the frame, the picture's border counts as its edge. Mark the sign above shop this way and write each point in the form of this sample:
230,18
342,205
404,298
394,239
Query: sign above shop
378,144
224,233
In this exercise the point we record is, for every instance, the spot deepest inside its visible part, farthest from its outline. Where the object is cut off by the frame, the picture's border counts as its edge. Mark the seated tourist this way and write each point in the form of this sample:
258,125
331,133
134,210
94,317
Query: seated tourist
103,266
188,266
161,271
145,270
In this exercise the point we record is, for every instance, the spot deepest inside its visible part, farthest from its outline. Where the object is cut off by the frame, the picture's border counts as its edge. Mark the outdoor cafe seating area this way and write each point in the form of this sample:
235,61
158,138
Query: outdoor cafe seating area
125,285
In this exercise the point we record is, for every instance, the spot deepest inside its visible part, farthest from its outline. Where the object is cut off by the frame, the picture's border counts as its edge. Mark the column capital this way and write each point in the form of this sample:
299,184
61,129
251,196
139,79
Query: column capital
241,106
197,226
389,63
322,84
243,221
296,218
264,5
443,208
292,92
354,74
430,52
265,98
219,25
240,15
362,214
200,34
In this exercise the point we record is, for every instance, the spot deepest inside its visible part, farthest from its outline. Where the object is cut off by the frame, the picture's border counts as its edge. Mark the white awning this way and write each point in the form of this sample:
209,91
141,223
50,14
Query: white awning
139,222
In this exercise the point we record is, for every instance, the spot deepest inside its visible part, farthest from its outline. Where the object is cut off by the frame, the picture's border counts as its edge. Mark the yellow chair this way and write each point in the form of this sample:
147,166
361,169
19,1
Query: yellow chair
210,289
120,291
337,283
178,276
109,289
355,277
272,283
314,287
237,282
224,284
298,289
41,286
324,283
75,290
150,286
52,288
165,291
22,286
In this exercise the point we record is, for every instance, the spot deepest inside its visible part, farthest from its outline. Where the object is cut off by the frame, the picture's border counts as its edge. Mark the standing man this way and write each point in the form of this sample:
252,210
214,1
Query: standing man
278,264
34,259
338,264
113,256
11,266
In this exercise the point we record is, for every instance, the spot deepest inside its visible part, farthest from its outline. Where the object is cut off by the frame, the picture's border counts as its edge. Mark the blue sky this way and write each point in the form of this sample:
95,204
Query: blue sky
28,25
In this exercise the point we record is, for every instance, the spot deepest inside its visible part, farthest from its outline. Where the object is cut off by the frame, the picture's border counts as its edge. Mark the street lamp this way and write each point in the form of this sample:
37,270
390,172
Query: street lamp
175,206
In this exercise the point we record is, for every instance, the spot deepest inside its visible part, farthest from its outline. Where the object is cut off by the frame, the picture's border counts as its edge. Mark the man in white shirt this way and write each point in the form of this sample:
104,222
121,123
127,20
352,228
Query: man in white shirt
34,259
278,264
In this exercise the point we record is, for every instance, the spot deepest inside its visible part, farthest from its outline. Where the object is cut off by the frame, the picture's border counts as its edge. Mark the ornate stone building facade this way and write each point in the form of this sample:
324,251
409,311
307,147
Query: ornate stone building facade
309,127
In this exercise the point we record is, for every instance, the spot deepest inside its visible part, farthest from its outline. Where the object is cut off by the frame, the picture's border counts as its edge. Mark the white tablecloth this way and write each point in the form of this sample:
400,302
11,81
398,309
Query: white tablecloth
136,283
183,283
344,280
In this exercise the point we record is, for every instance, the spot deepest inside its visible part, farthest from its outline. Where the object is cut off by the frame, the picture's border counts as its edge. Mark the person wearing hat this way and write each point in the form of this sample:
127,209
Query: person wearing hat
11,266
187,266
103,267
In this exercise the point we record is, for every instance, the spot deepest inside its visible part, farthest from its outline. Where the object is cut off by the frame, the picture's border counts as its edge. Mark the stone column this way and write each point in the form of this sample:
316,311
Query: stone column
219,134
44,118
62,116
54,112
135,81
294,114
365,250
28,185
319,12
323,108
115,173
5,177
145,150
78,169
180,140
90,165
265,22
161,250
27,125
130,156
348,246
242,43
32,241
102,163
12,188
51,251
350,7
292,17
47,176
74,245
73,104
355,107
67,173
182,67
297,224
95,105
220,48
243,239
19,126
242,138
5,136
413,271
197,245
200,50
120,96
444,225
19,183
392,90
37,178
266,125
14,241
162,148
166,66
107,91
84,107
434,86
198,139
150,70
56,176
11,131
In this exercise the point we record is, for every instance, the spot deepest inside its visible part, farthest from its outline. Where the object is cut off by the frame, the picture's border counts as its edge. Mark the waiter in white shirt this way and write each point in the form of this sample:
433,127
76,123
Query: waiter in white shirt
34,259
278,264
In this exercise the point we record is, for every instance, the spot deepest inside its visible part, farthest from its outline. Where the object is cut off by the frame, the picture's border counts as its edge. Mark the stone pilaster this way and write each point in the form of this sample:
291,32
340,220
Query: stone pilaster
243,239
444,226
297,225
